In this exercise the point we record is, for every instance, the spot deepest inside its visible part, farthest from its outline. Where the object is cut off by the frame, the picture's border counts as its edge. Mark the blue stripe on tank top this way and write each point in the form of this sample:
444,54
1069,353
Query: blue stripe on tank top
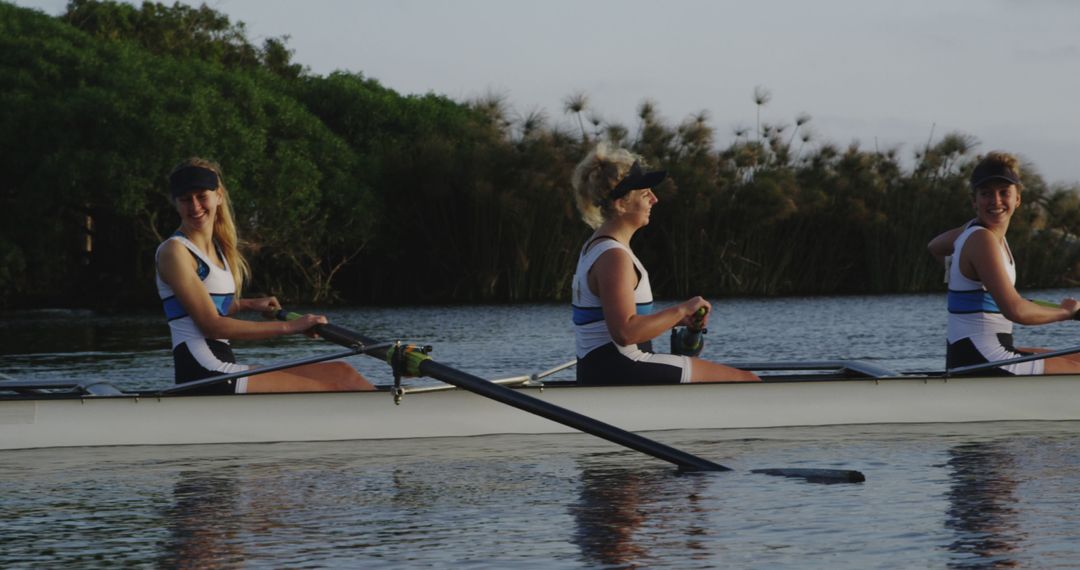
973,301
174,310
587,315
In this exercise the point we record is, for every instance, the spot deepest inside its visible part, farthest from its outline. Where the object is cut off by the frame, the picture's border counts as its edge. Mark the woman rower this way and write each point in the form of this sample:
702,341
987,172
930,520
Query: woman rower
200,273
612,300
983,301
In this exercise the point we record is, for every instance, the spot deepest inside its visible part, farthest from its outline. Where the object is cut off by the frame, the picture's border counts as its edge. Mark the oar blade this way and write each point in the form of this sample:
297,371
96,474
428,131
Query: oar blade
828,476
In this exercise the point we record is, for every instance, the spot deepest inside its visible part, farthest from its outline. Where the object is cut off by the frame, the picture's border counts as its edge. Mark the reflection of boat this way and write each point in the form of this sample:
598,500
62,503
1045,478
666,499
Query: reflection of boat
55,414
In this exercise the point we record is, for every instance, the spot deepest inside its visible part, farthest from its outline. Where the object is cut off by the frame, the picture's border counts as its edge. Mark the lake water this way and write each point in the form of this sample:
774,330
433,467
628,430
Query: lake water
965,496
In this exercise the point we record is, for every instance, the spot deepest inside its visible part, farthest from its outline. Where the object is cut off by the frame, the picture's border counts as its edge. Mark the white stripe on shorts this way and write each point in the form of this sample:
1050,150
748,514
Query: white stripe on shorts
991,349
682,362
202,354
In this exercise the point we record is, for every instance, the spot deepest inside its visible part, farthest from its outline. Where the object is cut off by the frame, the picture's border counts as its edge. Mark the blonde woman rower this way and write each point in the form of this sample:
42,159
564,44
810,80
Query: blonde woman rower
614,320
983,301
200,273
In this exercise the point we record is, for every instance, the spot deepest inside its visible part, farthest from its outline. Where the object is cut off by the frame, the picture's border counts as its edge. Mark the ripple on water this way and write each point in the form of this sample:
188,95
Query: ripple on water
973,495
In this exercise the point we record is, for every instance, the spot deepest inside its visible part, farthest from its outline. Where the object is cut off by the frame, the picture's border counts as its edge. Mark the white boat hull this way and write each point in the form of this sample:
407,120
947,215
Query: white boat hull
253,418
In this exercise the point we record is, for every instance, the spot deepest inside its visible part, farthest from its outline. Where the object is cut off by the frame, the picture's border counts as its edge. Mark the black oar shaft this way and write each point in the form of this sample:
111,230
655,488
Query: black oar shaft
685,461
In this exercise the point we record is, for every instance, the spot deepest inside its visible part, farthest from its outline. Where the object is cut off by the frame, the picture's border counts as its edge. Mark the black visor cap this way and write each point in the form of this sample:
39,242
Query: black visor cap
637,179
986,172
190,179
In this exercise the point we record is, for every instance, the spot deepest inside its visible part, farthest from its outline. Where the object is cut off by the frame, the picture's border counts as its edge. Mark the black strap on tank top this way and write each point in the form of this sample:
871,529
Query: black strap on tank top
596,239
600,237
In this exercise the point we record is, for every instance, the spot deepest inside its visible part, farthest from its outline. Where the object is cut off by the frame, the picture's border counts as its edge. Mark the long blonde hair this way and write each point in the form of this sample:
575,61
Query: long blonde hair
224,225
594,178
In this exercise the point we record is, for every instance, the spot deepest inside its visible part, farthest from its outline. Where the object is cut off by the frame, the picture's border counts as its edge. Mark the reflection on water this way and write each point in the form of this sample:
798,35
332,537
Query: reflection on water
982,506
608,514
202,523
1006,492
558,501
623,517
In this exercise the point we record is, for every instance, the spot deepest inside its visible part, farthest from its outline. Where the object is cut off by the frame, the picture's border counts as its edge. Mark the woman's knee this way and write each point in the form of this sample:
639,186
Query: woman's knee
348,378
708,371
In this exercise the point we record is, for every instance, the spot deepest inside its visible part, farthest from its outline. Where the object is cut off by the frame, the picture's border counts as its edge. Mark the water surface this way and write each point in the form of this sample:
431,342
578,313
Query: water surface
937,496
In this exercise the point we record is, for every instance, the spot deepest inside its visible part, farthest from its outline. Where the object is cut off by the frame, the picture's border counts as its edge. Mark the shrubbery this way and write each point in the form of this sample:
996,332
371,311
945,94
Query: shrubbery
348,191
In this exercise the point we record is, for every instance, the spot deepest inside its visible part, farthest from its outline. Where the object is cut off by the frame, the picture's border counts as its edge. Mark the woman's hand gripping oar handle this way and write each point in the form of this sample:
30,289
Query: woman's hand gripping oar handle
341,335
690,340
403,359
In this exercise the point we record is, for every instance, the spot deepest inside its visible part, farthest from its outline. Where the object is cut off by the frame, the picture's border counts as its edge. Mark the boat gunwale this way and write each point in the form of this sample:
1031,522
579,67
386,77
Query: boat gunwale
383,390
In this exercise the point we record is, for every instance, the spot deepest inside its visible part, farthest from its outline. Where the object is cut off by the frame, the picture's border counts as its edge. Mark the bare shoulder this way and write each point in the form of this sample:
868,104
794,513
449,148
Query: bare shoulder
174,257
981,239
615,257
983,249
170,251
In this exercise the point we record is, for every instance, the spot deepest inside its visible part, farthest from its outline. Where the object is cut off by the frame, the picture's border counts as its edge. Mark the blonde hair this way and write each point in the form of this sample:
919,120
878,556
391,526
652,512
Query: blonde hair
1004,159
594,178
1000,159
225,235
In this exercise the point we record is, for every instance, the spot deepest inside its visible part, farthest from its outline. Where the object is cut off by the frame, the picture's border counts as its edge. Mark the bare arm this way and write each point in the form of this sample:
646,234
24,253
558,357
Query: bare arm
942,245
260,304
178,270
614,279
982,257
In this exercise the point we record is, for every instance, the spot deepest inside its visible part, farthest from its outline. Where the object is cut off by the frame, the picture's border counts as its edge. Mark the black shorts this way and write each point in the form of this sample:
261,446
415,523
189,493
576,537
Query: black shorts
607,365
218,360
965,352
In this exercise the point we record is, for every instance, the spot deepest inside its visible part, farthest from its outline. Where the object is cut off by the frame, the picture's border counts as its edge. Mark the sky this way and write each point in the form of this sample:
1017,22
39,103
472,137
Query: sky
887,74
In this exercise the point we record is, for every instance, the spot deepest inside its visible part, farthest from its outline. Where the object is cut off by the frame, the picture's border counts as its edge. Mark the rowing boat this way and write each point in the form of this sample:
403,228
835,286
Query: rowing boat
79,413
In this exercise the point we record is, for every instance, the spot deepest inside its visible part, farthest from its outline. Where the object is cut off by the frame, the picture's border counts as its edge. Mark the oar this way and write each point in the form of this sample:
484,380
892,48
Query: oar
416,363
412,362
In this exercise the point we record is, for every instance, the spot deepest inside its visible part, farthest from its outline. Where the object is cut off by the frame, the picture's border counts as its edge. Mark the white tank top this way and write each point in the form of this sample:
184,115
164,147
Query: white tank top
972,310
590,330
219,283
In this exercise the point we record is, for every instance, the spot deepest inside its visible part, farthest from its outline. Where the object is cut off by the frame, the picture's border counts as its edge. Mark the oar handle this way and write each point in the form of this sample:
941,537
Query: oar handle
697,323
690,340
332,333
405,359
